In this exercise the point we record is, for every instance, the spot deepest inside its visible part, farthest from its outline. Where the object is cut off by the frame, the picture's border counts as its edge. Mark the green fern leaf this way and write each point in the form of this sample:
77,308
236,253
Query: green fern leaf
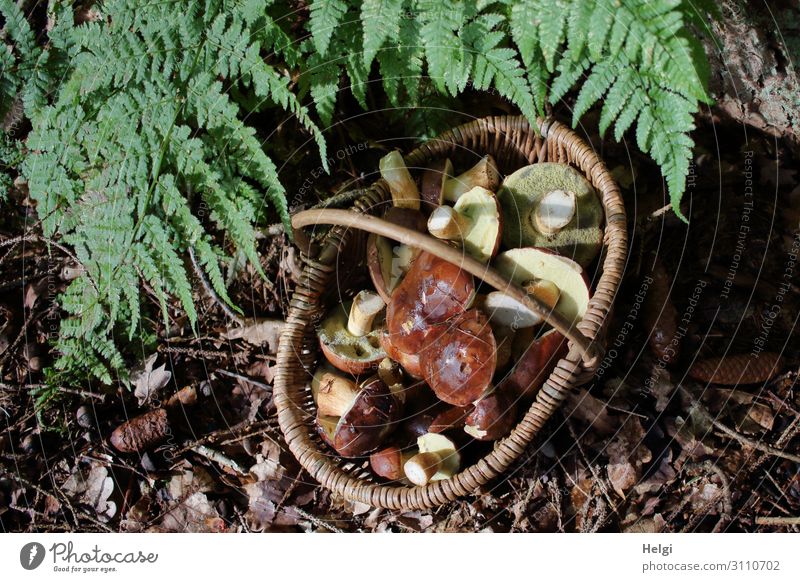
325,17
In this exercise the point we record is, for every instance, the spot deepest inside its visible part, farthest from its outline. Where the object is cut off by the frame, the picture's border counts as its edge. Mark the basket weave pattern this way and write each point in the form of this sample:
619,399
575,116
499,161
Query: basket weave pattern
513,143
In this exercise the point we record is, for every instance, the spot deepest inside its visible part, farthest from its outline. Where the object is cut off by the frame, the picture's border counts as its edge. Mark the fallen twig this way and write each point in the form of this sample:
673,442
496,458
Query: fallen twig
735,435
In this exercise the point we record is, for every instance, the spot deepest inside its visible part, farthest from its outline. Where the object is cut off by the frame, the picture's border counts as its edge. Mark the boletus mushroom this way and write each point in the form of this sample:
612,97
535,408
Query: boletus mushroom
347,337
387,260
434,179
401,185
432,291
530,267
352,419
535,363
505,311
474,222
388,462
483,174
437,459
459,358
552,205
492,417
409,362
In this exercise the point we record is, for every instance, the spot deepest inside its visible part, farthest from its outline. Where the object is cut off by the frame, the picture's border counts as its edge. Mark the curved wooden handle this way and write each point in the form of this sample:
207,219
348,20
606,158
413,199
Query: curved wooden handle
369,223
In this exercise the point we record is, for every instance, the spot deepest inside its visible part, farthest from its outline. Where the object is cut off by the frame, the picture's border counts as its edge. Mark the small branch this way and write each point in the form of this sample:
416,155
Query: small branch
219,458
777,520
735,435
28,387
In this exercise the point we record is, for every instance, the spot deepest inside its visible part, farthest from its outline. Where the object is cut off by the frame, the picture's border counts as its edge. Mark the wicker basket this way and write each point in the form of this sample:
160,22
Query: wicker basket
513,143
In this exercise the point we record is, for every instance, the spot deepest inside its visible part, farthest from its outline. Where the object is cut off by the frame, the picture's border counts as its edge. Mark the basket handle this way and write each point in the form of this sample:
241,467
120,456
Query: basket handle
352,219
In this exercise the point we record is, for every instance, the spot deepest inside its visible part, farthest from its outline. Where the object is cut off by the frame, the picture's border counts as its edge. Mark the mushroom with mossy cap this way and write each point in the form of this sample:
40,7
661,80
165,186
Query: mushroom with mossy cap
347,337
492,417
474,222
459,358
527,266
553,206
401,185
362,415
483,174
387,260
434,179
433,290
437,459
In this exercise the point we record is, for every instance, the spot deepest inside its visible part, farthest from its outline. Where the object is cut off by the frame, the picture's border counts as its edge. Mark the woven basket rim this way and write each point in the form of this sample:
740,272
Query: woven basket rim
514,134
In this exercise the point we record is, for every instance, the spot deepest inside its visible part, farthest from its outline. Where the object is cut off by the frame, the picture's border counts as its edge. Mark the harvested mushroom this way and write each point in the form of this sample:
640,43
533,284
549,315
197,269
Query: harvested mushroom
434,179
401,184
409,362
483,174
437,459
536,362
552,205
492,417
474,221
505,311
365,421
347,337
459,358
387,260
432,291
527,265
388,462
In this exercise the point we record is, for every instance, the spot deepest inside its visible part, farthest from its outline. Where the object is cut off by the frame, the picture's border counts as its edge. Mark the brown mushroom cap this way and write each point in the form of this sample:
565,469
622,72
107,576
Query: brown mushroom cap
432,291
409,362
387,260
347,352
388,462
460,358
492,418
535,364
371,418
433,180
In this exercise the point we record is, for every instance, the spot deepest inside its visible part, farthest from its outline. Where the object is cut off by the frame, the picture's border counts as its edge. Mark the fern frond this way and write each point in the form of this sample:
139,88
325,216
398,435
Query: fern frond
325,17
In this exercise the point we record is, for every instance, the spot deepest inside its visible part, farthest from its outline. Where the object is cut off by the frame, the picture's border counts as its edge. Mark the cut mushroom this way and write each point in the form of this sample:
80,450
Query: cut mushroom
388,462
527,265
483,174
555,211
387,260
347,337
535,364
363,425
492,418
505,311
459,358
434,179
401,184
432,291
437,459
335,395
553,206
474,221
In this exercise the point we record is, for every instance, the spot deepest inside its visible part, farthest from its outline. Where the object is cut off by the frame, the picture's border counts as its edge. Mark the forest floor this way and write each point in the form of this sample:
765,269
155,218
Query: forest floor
643,447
